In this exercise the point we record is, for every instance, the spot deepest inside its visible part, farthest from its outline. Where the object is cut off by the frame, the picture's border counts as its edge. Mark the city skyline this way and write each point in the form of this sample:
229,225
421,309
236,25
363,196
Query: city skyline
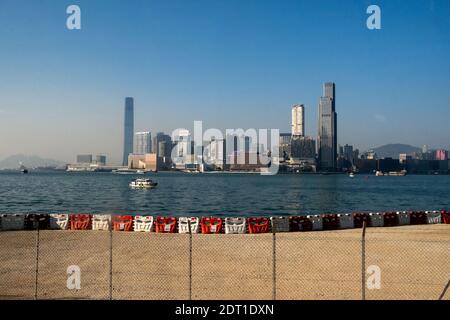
231,65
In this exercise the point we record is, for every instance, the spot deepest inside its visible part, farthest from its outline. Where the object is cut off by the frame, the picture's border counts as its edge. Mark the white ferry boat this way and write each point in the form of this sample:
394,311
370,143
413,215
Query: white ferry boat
143,184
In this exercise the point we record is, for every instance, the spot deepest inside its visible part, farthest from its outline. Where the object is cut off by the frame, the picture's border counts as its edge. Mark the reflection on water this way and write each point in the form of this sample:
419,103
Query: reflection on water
220,194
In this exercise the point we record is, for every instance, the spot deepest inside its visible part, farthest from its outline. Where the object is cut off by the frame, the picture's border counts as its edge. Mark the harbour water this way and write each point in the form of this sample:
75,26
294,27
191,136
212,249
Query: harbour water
181,194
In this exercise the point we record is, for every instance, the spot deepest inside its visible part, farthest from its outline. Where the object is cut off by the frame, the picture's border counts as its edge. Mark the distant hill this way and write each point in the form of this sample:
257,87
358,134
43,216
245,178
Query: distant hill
393,150
12,162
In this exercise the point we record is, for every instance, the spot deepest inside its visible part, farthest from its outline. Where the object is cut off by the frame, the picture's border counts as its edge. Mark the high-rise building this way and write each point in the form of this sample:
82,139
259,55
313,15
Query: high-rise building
143,142
100,160
84,158
298,120
327,136
285,146
128,129
348,153
303,148
441,155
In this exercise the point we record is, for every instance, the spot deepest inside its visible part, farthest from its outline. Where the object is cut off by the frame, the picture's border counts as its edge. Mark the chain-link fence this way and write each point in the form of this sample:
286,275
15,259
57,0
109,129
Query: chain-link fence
410,262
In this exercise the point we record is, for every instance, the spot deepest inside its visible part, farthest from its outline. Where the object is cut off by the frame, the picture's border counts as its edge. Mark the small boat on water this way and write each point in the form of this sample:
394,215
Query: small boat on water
23,169
143,184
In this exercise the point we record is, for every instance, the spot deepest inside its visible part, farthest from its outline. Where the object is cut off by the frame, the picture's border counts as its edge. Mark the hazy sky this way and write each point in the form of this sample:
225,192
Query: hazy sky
230,63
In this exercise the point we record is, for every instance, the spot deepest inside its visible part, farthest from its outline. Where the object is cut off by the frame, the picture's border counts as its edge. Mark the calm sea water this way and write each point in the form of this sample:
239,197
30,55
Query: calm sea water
219,194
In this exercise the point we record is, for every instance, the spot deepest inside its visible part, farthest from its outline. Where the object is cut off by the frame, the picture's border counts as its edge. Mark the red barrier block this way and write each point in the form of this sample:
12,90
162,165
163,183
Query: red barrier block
211,225
445,217
359,218
390,219
166,225
122,223
301,223
330,221
418,217
80,221
258,225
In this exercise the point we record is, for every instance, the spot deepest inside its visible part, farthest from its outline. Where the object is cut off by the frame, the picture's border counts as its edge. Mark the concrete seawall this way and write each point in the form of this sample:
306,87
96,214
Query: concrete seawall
414,263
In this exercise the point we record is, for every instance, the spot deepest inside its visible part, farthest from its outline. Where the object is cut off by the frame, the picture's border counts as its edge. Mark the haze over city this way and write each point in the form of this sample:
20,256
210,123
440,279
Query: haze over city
231,64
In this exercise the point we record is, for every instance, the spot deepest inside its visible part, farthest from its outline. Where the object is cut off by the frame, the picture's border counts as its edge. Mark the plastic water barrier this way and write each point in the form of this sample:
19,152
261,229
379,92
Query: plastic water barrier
235,226
346,221
301,223
403,218
101,222
330,222
376,220
258,225
359,218
418,218
445,217
80,222
183,224
12,221
122,223
35,221
433,217
211,225
59,221
390,219
166,225
317,222
280,224
143,224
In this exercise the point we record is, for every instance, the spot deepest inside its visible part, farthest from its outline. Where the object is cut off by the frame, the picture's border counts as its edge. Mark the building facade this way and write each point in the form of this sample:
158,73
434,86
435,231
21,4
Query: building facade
298,120
100,160
327,135
128,129
303,148
143,142
84,158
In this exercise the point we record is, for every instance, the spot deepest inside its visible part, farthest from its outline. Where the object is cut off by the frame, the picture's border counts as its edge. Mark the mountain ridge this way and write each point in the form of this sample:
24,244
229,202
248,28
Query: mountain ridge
393,150
29,161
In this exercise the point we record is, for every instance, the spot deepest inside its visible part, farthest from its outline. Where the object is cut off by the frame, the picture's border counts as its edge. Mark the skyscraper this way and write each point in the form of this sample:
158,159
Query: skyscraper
327,136
143,142
128,129
298,120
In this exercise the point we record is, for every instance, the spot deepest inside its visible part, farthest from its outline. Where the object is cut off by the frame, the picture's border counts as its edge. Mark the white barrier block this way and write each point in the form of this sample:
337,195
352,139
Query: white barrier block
101,222
376,219
59,221
183,225
403,218
280,224
317,222
143,223
346,221
235,226
13,221
433,217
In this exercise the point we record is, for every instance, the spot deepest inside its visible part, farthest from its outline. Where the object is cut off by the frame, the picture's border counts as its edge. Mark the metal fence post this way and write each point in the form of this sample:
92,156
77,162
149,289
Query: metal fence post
363,261
190,259
110,263
274,266
36,277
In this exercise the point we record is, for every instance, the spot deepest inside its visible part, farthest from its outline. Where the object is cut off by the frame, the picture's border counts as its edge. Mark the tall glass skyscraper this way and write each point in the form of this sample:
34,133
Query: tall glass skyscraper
327,137
128,129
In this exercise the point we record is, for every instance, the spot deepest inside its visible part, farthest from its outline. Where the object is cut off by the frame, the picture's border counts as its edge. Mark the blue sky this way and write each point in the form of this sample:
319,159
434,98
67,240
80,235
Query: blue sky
229,63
